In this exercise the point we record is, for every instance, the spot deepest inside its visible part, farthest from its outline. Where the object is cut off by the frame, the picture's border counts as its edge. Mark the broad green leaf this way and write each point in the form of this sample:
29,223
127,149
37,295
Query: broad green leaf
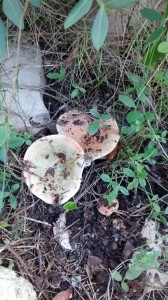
166,212
105,178
118,4
116,275
93,127
134,116
163,47
82,90
13,11
16,142
135,79
71,205
123,190
54,75
77,12
127,101
74,93
125,287
151,14
133,272
36,3
13,201
100,28
128,172
105,117
133,185
14,187
3,134
3,154
142,182
149,116
94,113
156,34
163,220
2,38
156,207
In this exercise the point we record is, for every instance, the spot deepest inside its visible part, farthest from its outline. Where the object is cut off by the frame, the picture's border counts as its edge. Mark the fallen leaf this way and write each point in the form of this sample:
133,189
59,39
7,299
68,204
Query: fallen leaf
65,295
60,232
155,279
150,233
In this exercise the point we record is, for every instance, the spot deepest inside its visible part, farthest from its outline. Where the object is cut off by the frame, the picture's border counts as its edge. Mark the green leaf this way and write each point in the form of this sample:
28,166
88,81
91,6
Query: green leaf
82,90
125,287
133,185
123,190
71,205
105,178
54,75
99,28
163,220
135,79
4,224
154,36
166,211
36,3
118,4
142,182
156,207
94,113
116,275
13,201
151,14
93,127
163,47
16,142
128,172
133,273
134,115
3,154
3,134
127,101
74,93
14,187
14,11
113,195
2,39
149,116
105,117
77,12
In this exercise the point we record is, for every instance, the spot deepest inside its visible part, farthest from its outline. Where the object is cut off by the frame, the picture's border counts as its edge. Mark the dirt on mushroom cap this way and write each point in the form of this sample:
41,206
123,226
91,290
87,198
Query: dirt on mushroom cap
53,167
75,124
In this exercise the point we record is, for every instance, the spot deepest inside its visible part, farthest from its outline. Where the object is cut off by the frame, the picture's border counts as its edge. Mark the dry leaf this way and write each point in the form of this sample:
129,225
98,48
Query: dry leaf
155,279
65,295
60,232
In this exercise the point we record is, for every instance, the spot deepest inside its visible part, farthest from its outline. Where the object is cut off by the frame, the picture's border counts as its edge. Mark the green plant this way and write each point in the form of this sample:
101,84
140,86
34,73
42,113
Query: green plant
140,262
9,139
156,44
70,205
100,23
14,11
95,125
57,76
77,89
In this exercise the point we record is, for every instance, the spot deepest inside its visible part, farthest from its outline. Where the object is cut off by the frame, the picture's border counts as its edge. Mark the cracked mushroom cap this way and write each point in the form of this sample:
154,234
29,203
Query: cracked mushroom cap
53,167
75,124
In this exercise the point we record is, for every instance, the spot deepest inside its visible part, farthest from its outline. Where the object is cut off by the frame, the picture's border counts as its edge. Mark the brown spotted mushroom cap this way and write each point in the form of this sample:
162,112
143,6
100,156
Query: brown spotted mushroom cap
53,167
75,124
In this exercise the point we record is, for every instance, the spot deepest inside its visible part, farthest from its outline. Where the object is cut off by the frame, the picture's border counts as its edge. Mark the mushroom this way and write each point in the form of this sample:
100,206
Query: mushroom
106,210
53,167
75,124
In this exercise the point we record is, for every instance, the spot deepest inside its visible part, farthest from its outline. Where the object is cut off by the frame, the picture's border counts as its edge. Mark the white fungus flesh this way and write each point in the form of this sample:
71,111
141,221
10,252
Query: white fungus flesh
53,167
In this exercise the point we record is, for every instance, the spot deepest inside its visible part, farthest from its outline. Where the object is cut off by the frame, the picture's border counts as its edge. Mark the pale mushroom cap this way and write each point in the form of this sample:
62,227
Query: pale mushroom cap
75,124
109,210
53,167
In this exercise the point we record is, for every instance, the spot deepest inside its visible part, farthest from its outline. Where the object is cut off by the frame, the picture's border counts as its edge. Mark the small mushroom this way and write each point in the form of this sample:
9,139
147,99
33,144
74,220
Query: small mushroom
106,210
53,167
75,124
